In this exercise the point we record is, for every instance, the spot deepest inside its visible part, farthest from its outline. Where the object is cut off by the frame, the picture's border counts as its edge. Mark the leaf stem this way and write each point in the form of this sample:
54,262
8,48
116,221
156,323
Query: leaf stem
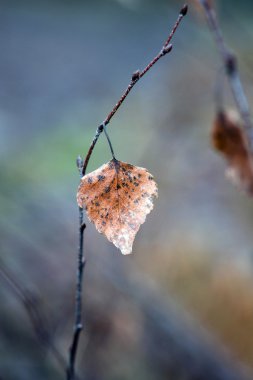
109,141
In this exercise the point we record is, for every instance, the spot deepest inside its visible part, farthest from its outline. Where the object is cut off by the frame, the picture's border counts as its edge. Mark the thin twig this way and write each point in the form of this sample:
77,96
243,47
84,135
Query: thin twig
230,65
82,166
79,281
36,317
136,76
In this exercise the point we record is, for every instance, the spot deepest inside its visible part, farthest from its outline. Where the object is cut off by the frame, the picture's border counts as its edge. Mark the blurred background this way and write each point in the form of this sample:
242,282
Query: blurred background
180,307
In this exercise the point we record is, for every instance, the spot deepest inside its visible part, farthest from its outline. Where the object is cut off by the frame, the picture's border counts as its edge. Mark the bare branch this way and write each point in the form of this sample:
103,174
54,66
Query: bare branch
230,65
82,166
136,76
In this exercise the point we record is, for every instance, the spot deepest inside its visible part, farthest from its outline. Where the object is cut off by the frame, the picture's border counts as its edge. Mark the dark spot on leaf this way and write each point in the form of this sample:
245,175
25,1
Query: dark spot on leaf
90,180
100,177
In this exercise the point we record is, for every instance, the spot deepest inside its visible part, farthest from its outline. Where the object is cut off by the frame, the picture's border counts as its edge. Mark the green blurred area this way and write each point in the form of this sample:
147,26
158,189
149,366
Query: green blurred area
62,68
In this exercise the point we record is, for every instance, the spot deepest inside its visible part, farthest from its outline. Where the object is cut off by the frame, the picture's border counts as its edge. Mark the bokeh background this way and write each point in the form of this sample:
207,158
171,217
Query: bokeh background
180,307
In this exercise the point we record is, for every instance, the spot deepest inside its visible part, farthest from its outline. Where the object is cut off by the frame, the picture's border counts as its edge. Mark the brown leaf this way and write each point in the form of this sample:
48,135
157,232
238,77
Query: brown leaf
117,197
229,139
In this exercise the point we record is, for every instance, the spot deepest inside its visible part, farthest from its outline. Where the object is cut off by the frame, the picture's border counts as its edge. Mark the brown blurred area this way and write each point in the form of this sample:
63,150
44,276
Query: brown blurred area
180,307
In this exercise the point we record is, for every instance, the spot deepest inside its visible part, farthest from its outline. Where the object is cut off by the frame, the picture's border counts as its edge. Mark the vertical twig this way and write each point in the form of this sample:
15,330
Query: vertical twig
82,166
79,281
231,67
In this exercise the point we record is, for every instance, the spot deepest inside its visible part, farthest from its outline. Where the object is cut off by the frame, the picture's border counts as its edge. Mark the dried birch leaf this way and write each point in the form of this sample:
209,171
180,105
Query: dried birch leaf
117,197
229,139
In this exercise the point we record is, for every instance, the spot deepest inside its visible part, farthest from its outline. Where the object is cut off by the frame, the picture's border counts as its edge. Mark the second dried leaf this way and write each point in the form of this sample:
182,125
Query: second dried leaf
229,139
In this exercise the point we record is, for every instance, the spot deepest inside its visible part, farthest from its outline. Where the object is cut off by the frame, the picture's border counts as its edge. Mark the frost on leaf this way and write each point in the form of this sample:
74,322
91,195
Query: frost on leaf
117,197
229,140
